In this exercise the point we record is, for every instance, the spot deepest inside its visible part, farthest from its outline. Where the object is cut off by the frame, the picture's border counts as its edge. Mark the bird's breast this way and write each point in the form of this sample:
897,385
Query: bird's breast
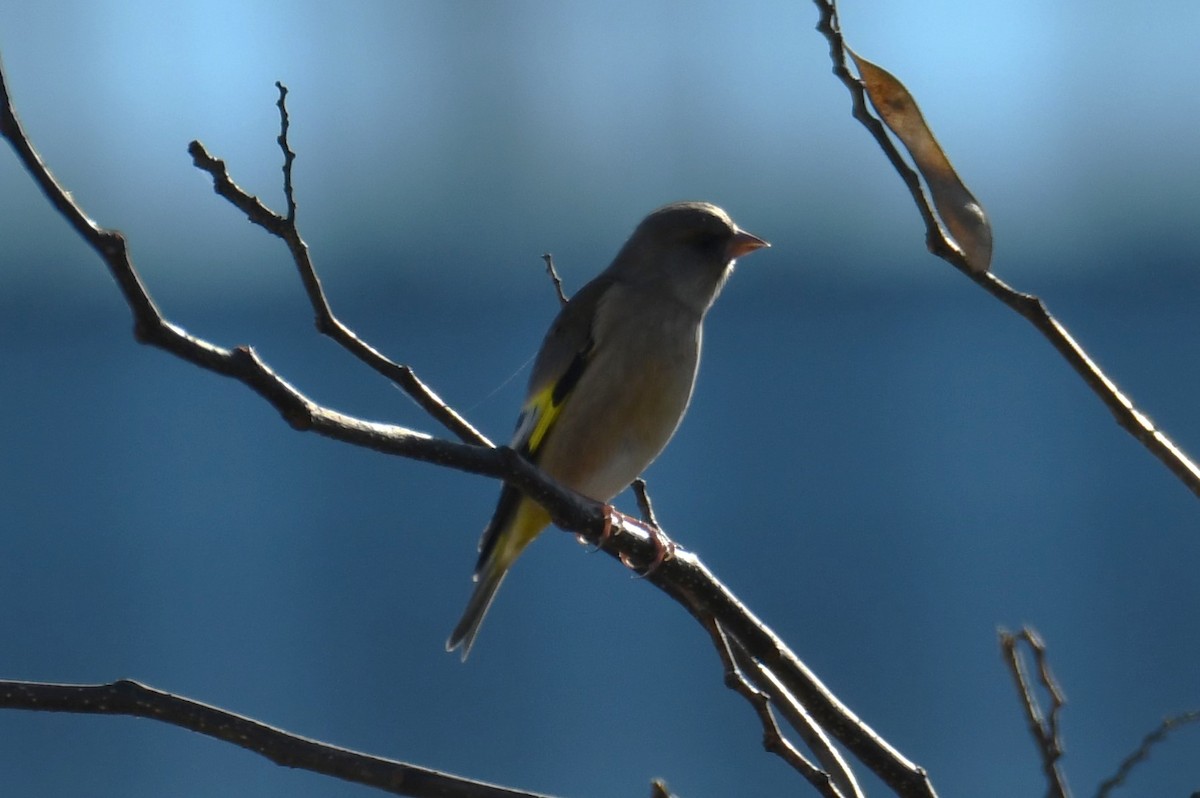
626,406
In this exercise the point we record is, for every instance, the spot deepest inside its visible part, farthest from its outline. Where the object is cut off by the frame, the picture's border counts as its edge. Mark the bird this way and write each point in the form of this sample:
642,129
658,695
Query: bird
613,378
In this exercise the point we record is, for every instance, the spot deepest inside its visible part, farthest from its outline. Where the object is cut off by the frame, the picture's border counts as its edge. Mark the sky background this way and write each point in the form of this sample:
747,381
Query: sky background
883,462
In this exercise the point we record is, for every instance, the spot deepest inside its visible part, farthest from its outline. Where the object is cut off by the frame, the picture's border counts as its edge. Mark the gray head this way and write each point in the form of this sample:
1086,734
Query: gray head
686,250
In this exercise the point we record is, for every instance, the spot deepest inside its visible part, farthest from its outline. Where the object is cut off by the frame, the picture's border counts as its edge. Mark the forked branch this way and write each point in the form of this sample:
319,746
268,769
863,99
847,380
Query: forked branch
1031,308
1043,726
682,576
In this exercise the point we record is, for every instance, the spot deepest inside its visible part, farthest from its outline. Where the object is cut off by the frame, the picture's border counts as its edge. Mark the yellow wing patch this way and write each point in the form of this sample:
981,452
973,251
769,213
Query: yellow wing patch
541,412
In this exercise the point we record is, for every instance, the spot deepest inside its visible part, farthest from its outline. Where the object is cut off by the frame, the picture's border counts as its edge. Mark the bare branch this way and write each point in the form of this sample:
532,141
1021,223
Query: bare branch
568,509
554,278
110,244
829,25
283,748
1044,728
1142,752
289,156
688,581
683,576
734,659
645,506
326,322
799,719
1031,308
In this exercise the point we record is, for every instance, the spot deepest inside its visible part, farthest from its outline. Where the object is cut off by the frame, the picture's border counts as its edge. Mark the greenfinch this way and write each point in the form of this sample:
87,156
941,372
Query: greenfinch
613,378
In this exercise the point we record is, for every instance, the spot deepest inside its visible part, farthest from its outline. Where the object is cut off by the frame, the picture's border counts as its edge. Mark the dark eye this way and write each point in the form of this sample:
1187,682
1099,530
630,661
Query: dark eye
709,243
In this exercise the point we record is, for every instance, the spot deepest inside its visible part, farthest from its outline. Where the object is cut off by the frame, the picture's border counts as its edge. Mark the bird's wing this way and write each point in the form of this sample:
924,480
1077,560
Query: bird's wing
562,360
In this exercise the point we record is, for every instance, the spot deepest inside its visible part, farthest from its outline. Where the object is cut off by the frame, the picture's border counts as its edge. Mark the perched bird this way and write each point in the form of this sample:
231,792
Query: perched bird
613,377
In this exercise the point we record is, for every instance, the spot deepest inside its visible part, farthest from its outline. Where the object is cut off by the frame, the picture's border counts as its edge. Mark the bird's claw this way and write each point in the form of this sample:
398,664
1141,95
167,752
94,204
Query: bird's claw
664,547
609,522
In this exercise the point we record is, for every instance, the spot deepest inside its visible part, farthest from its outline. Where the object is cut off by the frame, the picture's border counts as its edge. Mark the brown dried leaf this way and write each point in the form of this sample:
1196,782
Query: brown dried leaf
961,214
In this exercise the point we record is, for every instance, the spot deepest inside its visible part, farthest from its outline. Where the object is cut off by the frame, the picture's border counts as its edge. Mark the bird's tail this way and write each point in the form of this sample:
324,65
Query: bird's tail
502,547
468,626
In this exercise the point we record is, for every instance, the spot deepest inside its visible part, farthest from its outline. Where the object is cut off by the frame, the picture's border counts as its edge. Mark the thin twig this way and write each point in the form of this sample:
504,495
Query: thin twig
830,26
708,600
289,156
1042,727
645,506
127,697
554,278
773,739
1030,307
792,711
1142,752
326,322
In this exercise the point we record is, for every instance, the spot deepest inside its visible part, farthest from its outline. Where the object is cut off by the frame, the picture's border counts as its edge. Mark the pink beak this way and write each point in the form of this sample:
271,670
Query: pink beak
744,243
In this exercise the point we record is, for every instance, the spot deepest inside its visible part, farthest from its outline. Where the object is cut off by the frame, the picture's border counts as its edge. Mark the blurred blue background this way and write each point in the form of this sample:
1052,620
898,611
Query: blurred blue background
882,461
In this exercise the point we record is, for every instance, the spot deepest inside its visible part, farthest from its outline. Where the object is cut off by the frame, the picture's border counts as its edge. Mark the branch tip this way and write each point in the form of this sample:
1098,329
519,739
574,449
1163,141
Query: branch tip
288,155
554,278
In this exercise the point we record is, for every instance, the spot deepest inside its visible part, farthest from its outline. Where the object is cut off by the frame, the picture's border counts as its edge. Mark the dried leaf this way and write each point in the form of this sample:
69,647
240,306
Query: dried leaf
961,214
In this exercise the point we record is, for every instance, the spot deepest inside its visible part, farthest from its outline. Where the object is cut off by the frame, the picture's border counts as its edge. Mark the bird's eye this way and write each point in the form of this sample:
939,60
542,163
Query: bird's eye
708,243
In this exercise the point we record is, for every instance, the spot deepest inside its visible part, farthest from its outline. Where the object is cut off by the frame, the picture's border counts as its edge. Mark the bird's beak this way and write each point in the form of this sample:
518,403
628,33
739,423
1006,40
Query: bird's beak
744,243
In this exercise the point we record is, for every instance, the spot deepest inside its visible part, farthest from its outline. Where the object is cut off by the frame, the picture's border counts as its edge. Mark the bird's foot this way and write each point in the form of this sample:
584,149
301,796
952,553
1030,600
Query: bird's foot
664,547
612,518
